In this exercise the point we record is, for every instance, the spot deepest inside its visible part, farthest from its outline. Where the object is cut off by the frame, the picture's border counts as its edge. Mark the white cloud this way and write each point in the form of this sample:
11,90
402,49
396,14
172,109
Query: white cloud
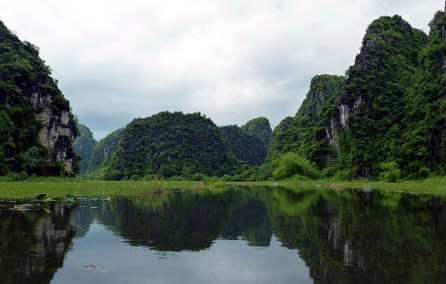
232,60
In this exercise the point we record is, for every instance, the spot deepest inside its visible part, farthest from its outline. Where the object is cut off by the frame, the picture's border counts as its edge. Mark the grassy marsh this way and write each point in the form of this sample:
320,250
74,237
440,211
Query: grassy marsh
55,187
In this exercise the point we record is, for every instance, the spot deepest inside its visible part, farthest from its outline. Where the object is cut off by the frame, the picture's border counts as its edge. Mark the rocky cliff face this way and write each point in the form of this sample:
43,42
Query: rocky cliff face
34,111
58,132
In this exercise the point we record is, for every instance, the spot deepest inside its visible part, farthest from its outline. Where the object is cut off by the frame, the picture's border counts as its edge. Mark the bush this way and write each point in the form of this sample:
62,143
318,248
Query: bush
291,164
390,172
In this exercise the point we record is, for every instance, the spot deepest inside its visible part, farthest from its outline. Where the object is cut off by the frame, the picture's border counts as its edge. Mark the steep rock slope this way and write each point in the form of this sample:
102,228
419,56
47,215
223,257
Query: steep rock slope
169,144
83,146
36,125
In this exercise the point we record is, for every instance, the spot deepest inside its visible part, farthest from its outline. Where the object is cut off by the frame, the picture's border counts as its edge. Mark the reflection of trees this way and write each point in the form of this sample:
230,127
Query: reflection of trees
33,244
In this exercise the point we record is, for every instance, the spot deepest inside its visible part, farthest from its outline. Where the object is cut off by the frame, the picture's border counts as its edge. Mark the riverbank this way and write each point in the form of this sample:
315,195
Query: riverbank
60,187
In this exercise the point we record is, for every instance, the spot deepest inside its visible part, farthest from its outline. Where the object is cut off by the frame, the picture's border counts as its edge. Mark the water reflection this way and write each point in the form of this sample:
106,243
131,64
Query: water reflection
33,243
256,234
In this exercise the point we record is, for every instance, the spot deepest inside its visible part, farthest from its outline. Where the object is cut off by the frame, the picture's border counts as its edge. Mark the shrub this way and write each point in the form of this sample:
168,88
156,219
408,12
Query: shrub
291,164
390,172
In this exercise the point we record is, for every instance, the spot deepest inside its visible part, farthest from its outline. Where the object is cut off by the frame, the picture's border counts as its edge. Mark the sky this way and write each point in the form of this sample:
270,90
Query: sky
232,60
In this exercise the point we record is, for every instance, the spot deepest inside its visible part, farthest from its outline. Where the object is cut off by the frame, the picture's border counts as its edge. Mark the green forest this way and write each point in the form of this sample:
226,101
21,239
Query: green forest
384,119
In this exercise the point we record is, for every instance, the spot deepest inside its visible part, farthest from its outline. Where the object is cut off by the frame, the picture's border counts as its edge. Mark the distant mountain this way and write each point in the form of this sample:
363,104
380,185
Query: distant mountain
37,128
83,146
250,142
260,128
104,151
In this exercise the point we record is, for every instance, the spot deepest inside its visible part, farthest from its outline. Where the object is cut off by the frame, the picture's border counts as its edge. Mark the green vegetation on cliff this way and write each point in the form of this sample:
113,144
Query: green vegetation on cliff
31,109
423,145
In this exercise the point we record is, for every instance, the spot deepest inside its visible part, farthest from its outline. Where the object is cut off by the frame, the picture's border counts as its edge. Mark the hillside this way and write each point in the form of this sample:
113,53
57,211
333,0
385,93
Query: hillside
37,127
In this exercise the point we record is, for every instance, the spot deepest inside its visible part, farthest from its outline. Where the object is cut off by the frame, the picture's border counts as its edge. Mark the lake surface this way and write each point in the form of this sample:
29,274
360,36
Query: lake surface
231,235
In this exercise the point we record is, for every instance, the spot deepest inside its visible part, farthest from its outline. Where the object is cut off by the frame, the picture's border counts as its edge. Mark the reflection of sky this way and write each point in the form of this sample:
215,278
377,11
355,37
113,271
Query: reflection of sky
224,262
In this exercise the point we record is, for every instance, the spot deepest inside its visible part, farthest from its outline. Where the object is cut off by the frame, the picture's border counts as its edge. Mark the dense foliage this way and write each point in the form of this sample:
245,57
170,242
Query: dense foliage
83,146
26,89
172,144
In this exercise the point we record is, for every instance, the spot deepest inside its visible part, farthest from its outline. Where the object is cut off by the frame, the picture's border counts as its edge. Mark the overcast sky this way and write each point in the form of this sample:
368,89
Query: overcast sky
232,60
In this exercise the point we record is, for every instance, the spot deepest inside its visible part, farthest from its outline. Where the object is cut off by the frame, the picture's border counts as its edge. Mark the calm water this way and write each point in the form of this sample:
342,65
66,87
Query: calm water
235,235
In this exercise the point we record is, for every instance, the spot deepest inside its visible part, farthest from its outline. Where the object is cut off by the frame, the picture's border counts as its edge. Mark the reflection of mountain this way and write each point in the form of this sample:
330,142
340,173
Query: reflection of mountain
33,244
178,221
348,237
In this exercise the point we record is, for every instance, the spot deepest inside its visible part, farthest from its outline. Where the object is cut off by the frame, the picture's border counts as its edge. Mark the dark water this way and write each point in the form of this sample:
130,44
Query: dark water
235,235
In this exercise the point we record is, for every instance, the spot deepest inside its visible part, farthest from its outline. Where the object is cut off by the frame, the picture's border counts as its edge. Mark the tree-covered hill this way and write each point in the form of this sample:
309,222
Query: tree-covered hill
83,146
172,144
37,127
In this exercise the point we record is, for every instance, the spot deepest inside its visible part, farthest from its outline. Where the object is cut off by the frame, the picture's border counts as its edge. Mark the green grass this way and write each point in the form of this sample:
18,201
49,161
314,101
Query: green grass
60,187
